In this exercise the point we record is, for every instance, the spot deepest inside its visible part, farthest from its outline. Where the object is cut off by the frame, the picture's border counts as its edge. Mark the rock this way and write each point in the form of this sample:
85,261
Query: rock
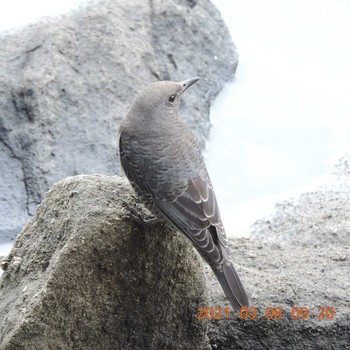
13,198
286,277
66,83
298,260
317,218
84,275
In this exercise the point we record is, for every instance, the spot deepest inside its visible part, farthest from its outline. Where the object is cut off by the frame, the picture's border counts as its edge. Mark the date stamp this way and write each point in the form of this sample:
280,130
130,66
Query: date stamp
270,313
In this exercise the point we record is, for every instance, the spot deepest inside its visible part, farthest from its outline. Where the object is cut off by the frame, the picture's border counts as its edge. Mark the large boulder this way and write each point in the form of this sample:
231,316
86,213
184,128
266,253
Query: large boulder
66,83
83,274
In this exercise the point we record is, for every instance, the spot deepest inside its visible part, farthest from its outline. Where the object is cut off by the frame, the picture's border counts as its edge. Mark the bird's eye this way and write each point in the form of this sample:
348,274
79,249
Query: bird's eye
172,99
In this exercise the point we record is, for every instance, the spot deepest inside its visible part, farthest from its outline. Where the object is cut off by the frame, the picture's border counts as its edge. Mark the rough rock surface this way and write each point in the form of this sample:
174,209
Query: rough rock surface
66,83
298,257
318,218
92,278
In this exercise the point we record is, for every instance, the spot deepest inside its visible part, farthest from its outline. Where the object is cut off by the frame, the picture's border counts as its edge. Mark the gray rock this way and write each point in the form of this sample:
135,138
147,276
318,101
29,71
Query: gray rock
91,278
318,218
298,257
13,198
82,268
286,277
66,83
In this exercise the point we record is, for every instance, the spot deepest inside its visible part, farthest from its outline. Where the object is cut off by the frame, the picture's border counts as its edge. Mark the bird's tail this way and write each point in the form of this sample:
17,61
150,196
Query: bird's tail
232,285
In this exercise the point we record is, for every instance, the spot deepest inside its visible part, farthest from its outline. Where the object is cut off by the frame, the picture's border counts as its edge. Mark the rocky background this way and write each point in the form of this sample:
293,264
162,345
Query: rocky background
83,273
298,257
66,84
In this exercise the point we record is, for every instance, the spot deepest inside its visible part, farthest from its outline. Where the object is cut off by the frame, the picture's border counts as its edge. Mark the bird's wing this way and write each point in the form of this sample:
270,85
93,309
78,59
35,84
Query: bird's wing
191,206
195,213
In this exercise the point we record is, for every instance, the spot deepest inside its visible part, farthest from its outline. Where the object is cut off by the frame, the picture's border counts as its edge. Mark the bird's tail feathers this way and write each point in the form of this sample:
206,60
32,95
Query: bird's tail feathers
232,286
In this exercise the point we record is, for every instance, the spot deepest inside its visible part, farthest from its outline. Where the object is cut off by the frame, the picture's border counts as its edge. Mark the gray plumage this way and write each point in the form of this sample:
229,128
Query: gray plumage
163,162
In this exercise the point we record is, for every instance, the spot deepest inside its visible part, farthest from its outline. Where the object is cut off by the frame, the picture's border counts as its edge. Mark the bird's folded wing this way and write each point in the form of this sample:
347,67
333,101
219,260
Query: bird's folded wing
192,208
196,214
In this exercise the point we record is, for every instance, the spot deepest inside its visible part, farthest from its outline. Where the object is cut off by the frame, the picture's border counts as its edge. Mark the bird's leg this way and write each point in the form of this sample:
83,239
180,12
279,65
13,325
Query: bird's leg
10,263
139,217
150,221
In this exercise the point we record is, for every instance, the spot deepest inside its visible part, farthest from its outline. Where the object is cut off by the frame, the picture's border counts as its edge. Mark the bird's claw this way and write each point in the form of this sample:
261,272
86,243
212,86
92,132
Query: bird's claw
139,217
12,263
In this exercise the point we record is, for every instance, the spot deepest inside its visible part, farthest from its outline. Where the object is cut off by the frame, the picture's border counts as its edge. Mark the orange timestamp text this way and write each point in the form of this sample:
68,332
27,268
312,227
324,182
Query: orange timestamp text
276,313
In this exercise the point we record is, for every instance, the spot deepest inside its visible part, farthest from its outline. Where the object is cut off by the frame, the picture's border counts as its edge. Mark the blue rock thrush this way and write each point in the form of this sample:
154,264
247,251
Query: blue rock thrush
164,164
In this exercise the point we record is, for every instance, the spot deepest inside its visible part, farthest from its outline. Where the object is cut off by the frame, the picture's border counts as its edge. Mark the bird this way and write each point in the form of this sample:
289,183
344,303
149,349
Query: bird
164,164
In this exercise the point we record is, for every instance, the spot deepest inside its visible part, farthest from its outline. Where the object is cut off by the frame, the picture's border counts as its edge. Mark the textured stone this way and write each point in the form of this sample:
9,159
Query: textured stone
286,277
297,257
13,198
66,83
92,278
320,217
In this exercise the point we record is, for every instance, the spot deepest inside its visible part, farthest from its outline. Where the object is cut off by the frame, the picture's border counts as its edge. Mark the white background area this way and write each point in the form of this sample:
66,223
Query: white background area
280,126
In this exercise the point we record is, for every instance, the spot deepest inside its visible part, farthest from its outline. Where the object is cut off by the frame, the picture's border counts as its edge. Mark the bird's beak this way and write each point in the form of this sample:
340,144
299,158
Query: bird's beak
188,83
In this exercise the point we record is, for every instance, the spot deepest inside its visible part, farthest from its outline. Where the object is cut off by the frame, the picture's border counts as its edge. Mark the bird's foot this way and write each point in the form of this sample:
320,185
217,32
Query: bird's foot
12,263
139,217
144,221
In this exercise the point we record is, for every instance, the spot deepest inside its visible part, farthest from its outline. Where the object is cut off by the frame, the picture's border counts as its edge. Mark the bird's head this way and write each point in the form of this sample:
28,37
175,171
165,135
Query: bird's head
159,100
